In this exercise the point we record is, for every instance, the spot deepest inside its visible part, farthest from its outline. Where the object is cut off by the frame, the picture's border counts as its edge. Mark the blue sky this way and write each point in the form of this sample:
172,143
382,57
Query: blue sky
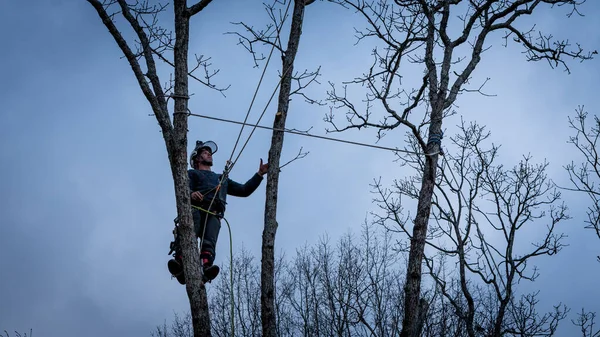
88,202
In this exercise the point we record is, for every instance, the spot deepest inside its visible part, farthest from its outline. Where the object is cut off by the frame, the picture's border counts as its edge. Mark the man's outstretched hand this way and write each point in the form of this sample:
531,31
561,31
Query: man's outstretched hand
263,168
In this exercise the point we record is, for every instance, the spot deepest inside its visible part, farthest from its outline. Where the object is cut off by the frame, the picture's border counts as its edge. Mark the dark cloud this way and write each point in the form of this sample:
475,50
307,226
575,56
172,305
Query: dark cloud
87,197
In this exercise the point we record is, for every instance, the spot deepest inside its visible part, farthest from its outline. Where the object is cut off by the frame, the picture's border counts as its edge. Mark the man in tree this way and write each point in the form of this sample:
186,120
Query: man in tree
209,192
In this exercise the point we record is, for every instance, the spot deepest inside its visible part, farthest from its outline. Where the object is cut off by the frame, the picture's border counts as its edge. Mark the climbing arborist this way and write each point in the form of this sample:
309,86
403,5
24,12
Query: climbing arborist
208,199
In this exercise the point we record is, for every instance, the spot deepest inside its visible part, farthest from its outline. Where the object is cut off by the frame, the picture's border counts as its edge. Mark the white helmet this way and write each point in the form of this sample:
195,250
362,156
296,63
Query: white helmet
210,145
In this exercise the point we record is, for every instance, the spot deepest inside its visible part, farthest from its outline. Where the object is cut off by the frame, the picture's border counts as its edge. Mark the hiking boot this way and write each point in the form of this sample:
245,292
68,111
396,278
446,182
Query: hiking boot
176,270
209,272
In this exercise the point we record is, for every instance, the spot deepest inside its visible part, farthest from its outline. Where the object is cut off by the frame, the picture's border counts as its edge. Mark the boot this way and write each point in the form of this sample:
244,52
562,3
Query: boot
176,269
209,271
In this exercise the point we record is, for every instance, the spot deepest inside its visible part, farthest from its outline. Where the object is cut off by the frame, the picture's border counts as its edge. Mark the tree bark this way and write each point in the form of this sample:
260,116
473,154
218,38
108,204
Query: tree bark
437,96
268,318
412,289
178,158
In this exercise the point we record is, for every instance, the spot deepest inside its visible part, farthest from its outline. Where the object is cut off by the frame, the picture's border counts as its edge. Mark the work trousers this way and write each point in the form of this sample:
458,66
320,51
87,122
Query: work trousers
211,232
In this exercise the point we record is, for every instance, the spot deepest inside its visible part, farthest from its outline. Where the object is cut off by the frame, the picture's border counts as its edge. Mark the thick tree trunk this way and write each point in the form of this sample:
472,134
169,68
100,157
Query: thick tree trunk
412,288
178,158
437,97
175,135
267,297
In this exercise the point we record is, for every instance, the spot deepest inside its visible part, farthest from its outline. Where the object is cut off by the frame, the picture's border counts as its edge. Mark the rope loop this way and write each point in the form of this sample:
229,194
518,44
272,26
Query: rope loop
436,138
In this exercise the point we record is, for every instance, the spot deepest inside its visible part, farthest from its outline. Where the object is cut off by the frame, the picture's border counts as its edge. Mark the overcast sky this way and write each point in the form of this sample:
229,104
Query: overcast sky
88,206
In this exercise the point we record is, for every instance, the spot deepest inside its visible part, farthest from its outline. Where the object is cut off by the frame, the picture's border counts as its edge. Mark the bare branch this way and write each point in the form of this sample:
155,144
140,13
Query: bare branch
300,155
157,107
586,321
151,66
201,62
308,78
585,176
269,36
193,10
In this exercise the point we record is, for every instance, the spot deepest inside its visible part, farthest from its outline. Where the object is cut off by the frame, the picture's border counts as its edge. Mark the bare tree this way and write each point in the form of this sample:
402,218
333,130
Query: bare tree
440,318
351,289
150,42
340,284
524,320
444,41
271,36
236,301
380,298
180,327
247,289
222,306
586,321
286,324
302,295
483,213
585,176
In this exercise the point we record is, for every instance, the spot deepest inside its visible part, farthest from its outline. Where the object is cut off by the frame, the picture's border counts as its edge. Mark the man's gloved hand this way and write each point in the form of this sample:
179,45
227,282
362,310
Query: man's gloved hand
263,168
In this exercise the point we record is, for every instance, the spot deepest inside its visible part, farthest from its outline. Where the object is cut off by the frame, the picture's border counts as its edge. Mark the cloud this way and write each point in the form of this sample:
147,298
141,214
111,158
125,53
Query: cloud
88,199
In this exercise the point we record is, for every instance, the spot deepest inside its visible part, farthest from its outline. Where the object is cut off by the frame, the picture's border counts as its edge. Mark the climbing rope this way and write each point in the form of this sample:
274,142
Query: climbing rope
277,39
229,165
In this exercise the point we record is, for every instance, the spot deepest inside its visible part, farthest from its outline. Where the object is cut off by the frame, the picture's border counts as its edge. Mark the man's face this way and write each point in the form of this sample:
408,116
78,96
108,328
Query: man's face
206,157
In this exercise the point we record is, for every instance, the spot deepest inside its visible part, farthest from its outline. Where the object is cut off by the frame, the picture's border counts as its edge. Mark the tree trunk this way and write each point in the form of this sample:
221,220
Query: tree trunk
437,97
175,136
412,289
470,317
506,299
178,159
500,318
267,298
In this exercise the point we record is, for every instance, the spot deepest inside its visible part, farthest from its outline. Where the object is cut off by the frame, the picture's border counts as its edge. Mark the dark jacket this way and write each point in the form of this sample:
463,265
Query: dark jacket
205,182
